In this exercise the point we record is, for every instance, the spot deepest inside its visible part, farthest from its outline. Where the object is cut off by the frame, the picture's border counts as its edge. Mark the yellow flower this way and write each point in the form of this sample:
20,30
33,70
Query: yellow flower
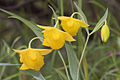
71,25
105,33
32,58
55,38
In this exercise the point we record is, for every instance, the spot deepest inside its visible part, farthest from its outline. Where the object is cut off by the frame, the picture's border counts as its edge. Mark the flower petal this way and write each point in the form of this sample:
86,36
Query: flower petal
55,38
19,51
23,67
69,37
45,43
21,59
43,51
43,27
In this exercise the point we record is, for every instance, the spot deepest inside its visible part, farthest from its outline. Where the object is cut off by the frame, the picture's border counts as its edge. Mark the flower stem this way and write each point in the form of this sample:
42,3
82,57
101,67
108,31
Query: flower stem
105,22
56,23
61,5
64,64
83,52
29,46
79,15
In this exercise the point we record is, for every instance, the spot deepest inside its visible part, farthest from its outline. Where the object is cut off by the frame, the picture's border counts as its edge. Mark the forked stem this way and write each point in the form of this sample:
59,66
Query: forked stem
83,52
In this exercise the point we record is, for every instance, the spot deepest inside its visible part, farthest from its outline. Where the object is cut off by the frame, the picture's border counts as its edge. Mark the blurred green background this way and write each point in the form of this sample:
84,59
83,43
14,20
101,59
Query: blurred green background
103,58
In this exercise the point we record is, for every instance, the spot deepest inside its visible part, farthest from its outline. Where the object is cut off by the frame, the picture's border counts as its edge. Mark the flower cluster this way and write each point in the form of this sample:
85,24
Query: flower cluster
53,38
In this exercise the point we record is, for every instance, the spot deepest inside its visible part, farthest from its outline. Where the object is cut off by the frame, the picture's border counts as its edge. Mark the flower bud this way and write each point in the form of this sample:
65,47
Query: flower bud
105,33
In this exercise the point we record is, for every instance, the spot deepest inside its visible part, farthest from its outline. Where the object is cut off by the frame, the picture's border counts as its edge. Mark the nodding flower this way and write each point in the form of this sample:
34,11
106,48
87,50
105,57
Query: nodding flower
55,38
71,25
32,58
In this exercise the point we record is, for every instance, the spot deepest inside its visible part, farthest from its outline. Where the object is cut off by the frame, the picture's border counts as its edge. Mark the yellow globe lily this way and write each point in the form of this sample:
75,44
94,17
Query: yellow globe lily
32,58
105,33
71,25
55,38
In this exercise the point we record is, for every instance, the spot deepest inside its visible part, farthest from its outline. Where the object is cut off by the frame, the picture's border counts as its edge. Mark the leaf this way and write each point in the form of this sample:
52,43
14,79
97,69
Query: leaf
100,22
8,64
73,61
97,4
37,75
82,15
30,24
16,39
55,15
61,74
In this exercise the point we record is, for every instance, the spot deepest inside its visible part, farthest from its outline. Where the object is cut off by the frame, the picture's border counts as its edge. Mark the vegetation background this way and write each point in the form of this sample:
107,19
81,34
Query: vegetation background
103,58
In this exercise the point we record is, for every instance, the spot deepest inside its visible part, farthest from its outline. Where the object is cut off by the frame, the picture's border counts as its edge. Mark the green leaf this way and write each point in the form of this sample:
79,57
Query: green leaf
37,75
8,64
61,74
30,24
100,22
73,61
55,15
97,4
16,39
82,15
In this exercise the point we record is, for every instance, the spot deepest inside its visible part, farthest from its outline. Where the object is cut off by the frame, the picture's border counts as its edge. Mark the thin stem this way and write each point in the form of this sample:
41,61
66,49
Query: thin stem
79,15
2,72
83,52
105,22
61,5
64,64
56,23
32,40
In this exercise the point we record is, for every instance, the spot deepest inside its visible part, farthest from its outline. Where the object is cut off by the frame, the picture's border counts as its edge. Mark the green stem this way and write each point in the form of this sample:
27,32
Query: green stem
71,2
80,4
2,72
105,22
85,67
29,46
56,23
61,5
64,64
78,14
83,52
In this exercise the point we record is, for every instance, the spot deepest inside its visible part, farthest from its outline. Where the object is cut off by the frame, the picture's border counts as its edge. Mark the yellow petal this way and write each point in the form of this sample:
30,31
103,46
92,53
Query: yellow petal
71,25
43,27
82,24
105,33
43,51
45,43
55,38
21,59
19,51
69,37
23,67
